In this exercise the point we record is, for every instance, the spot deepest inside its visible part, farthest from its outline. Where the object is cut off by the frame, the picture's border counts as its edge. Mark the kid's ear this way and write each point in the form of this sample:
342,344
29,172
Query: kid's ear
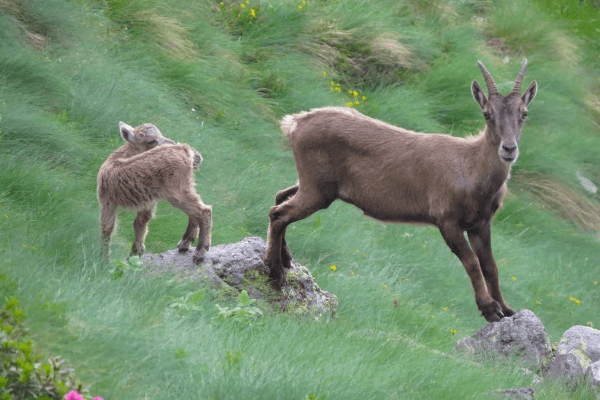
530,93
126,131
479,94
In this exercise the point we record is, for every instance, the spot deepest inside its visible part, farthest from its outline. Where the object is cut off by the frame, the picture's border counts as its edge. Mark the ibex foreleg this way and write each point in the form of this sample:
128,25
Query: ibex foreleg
455,239
108,217
481,242
286,256
300,206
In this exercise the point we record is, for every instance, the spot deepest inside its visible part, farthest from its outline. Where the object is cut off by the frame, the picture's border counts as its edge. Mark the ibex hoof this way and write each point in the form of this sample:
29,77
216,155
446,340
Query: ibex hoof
508,312
492,312
198,257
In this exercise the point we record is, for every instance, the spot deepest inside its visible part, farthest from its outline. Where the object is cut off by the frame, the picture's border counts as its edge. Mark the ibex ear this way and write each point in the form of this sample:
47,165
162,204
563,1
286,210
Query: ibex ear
479,94
530,93
126,131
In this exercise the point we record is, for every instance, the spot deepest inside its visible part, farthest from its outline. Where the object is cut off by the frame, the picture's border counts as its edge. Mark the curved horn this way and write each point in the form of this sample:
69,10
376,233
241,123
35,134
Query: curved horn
519,81
492,89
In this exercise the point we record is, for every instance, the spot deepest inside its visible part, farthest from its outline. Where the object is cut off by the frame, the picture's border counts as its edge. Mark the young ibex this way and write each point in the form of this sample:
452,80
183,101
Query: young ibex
148,168
397,175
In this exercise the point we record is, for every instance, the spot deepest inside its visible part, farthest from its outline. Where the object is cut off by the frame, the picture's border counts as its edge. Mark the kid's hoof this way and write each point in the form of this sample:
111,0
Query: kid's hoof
198,257
183,247
492,312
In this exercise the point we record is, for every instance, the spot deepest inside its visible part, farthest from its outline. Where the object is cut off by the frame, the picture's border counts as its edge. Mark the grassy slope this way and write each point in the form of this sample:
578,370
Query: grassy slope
221,84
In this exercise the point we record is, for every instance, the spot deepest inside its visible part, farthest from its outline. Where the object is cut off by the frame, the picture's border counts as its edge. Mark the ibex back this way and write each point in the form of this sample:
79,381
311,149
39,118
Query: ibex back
397,175
148,168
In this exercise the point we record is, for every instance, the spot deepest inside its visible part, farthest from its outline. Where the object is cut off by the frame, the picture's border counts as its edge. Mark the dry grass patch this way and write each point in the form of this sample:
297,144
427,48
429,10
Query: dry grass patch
565,201
360,58
170,34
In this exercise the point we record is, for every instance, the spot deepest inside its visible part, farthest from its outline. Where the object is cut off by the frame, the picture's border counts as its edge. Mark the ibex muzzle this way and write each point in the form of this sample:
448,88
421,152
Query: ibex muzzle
397,175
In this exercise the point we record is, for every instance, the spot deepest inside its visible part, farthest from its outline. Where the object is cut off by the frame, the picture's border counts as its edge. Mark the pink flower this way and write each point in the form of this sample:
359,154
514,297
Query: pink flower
98,398
73,395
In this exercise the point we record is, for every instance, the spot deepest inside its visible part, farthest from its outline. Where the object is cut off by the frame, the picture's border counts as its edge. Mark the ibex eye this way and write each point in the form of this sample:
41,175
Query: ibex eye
487,115
152,142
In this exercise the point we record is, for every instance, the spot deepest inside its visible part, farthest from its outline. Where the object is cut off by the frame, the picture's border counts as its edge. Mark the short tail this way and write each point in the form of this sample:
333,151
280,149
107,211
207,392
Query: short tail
288,124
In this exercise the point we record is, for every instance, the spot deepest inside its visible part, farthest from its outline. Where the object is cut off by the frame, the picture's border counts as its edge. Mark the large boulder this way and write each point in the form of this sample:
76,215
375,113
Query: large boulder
523,335
577,350
593,374
239,266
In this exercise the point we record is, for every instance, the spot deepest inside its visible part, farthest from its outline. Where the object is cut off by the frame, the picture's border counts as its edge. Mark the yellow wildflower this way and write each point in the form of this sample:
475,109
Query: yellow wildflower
253,12
514,278
352,273
243,5
247,1
333,267
325,74
364,97
574,300
384,286
338,89
332,83
349,104
357,103
355,93
453,331
594,282
445,308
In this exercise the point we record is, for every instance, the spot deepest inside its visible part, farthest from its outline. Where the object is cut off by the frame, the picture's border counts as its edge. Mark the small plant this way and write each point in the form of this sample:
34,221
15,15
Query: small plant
23,372
133,264
190,302
244,311
355,97
239,16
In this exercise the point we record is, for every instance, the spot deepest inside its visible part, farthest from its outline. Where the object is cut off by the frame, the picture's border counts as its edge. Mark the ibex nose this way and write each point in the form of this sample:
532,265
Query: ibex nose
509,148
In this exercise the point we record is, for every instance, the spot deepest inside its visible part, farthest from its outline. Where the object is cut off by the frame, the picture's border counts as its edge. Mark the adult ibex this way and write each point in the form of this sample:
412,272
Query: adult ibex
397,175
148,168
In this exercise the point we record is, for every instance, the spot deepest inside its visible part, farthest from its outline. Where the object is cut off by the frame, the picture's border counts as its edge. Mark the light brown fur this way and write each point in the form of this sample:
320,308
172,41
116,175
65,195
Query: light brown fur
397,175
148,168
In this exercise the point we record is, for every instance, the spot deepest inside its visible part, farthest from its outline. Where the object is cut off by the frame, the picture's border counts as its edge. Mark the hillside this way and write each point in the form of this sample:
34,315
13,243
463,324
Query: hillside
219,76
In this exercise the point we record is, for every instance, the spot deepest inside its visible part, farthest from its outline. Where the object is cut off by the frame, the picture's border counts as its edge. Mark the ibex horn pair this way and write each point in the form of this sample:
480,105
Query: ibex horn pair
489,81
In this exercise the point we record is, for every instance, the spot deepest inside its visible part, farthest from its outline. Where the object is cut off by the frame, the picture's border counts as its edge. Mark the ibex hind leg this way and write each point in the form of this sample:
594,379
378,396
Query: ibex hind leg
200,220
300,206
189,236
140,228
286,255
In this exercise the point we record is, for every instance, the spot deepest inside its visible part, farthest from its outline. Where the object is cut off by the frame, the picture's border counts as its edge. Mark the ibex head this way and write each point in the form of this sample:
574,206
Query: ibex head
504,114
144,137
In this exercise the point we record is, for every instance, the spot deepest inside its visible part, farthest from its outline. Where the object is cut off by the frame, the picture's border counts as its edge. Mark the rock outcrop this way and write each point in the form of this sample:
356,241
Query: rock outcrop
577,351
577,358
240,266
522,335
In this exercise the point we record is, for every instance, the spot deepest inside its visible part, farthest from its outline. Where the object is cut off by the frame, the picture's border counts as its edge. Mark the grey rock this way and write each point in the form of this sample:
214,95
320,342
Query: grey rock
577,350
523,334
587,184
593,374
518,394
240,266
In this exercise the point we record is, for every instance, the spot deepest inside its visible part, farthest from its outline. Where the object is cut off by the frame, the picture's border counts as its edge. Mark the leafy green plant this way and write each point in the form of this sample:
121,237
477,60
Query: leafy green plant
190,302
133,264
244,311
23,373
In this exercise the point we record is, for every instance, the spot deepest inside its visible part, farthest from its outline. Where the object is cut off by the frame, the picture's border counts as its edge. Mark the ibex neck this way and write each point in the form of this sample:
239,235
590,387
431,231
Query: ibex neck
489,163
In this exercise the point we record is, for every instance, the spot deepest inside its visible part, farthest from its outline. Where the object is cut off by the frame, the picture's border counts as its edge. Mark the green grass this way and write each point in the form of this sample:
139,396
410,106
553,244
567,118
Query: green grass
208,77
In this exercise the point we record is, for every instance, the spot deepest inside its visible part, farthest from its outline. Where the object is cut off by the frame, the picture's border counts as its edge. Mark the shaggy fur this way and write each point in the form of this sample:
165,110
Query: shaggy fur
148,168
397,175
